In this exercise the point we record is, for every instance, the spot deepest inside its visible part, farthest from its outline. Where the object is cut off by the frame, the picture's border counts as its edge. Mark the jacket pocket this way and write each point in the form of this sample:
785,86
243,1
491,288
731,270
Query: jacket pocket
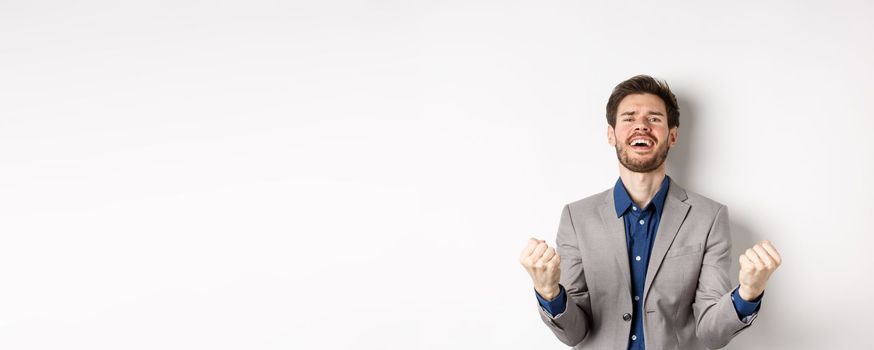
684,250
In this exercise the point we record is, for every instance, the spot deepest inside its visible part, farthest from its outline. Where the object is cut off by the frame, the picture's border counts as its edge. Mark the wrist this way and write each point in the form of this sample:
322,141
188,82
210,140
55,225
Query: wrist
748,294
548,293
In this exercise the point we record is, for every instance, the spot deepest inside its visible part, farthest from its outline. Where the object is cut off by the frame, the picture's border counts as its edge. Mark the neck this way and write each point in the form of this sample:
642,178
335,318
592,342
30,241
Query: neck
642,186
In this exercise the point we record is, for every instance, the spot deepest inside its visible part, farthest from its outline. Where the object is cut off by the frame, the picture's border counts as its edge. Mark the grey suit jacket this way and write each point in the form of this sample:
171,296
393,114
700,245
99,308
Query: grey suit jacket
687,294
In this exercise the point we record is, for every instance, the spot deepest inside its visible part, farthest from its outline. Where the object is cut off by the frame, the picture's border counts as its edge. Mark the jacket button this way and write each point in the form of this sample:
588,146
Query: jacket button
626,317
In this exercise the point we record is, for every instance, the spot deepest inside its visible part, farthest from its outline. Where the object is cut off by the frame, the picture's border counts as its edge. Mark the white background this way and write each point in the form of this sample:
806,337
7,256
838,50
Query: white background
341,174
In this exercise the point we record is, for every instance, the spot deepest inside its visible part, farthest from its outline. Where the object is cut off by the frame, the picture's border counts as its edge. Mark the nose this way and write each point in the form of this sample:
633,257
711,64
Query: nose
642,125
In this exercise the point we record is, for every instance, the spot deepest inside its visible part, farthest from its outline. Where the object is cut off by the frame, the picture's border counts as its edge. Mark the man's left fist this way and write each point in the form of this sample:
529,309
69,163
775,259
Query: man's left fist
756,266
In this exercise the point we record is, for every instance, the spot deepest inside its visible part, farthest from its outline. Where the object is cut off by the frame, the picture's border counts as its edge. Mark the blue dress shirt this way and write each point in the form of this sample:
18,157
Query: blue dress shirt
641,225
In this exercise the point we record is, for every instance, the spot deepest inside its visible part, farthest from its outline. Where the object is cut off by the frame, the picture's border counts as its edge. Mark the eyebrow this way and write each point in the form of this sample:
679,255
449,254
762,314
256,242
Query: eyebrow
650,113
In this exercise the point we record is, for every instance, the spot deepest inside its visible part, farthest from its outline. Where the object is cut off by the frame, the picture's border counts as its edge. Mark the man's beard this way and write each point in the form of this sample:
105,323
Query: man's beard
641,166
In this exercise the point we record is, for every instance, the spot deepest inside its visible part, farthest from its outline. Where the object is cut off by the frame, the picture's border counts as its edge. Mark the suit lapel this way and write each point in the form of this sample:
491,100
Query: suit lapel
673,215
615,231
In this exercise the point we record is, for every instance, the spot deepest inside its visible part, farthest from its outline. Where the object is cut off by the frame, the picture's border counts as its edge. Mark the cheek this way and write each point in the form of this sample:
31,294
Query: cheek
663,133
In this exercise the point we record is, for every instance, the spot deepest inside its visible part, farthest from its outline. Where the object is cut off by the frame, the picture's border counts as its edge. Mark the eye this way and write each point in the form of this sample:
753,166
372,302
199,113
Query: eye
655,119
627,119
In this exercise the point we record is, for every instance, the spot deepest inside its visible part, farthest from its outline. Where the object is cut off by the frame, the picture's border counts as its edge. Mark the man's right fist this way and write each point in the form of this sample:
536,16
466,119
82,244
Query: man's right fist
543,264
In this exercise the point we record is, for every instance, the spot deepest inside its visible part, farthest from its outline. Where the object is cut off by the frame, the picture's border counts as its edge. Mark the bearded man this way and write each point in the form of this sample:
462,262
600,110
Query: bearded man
645,263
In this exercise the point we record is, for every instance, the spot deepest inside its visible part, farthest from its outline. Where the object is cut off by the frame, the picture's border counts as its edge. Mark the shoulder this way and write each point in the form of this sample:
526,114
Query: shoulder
701,204
591,202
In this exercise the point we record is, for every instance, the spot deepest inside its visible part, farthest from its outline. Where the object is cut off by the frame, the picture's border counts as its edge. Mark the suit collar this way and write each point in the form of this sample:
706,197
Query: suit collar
614,232
675,213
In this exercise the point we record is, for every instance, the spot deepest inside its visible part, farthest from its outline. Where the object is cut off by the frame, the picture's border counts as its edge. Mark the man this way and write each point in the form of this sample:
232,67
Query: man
644,265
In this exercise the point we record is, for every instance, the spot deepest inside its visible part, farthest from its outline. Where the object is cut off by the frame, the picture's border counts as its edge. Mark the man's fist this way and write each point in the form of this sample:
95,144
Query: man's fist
756,266
543,264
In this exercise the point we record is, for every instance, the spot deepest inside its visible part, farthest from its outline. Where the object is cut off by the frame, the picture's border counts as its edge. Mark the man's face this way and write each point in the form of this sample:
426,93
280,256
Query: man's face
641,136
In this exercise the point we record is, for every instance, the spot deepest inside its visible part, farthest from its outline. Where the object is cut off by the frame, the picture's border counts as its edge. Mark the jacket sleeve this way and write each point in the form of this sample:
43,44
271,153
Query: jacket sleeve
717,320
572,325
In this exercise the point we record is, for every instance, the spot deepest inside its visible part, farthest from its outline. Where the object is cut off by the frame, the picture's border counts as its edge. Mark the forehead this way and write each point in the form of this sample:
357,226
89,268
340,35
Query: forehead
641,103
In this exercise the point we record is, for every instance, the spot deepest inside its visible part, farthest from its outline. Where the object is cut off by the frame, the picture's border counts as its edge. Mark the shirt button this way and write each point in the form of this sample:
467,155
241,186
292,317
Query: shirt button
626,317
633,337
637,258
641,222
634,208
636,298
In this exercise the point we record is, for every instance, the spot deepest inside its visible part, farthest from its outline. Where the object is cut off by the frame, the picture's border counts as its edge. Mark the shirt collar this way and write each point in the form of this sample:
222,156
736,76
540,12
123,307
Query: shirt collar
623,201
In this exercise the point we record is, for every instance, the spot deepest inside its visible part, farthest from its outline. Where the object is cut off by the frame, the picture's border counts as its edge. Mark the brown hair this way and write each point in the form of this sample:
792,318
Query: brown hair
644,84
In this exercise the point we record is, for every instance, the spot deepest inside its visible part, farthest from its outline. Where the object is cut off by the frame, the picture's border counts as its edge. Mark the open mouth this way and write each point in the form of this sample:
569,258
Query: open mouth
641,144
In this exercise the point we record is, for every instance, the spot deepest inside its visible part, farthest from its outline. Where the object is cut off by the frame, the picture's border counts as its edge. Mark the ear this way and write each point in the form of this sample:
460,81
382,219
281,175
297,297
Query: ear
673,134
611,136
